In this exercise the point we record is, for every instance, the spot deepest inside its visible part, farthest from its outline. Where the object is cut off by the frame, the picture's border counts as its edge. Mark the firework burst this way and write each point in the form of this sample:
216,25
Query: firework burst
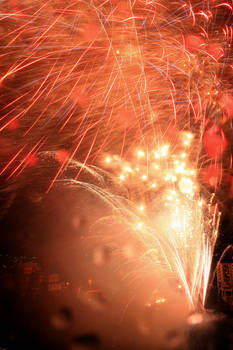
91,77
137,87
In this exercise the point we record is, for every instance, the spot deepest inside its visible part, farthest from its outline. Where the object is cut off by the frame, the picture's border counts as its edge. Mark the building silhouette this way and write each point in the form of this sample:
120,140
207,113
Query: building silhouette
225,277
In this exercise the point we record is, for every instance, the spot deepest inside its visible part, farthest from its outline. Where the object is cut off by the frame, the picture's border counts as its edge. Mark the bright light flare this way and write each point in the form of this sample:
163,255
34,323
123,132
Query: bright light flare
174,223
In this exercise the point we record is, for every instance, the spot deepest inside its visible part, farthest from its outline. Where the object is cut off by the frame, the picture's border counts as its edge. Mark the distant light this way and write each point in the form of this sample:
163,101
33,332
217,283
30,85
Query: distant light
188,137
168,177
141,153
140,224
180,169
164,150
195,319
176,224
186,185
174,178
159,301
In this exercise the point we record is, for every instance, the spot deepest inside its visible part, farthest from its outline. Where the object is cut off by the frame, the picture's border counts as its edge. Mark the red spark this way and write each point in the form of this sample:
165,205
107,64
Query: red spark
214,142
194,43
13,125
215,51
61,155
227,104
32,160
213,175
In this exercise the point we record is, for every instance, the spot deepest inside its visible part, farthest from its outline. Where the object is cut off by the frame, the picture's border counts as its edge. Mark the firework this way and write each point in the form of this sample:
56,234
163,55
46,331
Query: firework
176,224
139,89
91,77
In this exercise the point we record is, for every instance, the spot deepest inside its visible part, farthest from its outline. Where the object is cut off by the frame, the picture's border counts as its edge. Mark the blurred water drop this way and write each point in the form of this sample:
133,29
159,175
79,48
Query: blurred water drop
195,318
34,197
143,328
62,319
101,255
85,342
76,222
174,339
129,251
94,298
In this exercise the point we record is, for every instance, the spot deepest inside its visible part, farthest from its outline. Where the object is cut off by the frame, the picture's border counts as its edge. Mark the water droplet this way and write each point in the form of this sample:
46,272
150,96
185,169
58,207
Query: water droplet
195,319
84,342
101,255
62,319
129,251
94,298
174,339
77,222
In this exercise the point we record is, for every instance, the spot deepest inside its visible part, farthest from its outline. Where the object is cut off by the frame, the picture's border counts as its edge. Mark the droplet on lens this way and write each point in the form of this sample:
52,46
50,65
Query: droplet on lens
85,342
101,255
62,319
